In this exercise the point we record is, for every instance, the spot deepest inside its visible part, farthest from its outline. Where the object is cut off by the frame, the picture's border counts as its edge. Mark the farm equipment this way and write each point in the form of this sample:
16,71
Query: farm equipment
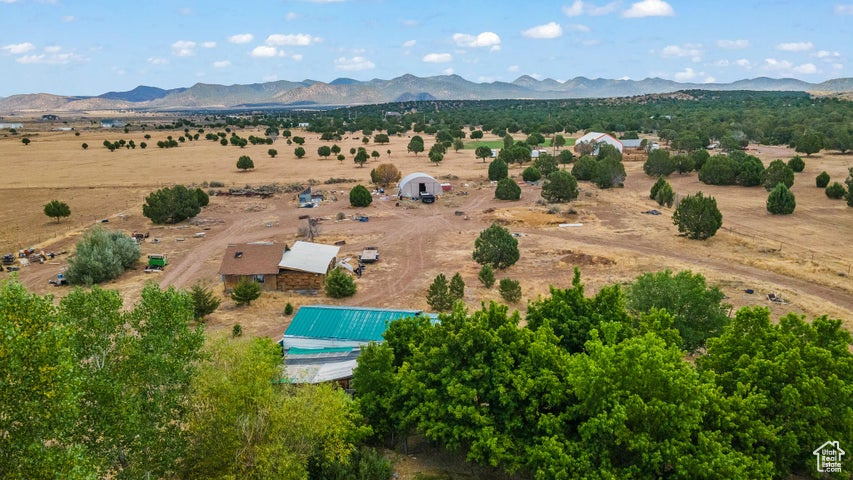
60,280
8,259
156,263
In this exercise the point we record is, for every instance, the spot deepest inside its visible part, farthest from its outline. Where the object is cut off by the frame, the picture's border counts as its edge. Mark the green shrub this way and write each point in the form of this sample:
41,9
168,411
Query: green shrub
245,291
665,195
237,330
245,162
531,174
57,210
438,295
718,170
101,255
339,284
609,172
360,196
775,173
822,180
584,168
487,276
288,309
498,170
507,189
204,302
173,205
659,164
697,216
654,190
849,182
781,201
560,187
457,287
797,164
835,191
510,290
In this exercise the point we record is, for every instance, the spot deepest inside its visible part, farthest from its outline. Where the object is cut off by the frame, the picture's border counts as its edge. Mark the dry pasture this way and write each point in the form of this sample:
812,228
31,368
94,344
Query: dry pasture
805,258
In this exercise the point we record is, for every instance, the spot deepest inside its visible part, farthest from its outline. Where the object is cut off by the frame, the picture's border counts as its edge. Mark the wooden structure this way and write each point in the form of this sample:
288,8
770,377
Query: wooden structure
304,267
256,262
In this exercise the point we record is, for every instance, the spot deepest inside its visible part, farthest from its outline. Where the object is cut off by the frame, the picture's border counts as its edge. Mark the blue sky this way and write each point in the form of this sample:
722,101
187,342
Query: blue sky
90,47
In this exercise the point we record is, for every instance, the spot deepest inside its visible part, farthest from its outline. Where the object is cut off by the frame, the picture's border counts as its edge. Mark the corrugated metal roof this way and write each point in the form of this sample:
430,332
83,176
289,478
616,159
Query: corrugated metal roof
309,257
346,323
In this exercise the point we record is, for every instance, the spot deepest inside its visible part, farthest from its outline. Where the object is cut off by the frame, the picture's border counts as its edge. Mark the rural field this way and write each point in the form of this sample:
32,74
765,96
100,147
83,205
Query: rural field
803,258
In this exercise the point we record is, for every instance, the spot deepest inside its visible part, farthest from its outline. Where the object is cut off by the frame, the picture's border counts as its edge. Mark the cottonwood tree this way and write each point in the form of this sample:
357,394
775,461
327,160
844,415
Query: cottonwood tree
496,247
385,174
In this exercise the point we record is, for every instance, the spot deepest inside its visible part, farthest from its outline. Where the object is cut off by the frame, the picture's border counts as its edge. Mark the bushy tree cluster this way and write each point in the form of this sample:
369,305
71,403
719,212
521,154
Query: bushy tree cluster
560,187
589,385
175,204
101,255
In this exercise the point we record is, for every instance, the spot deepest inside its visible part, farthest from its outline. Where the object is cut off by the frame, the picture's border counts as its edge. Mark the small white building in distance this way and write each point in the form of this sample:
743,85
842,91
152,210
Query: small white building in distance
416,184
598,137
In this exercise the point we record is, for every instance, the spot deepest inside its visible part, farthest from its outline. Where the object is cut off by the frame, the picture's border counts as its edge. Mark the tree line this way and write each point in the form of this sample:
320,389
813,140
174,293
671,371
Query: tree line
603,386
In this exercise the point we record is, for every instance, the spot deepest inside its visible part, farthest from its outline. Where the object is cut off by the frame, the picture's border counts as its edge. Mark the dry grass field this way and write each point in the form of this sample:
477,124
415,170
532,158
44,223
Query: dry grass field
805,258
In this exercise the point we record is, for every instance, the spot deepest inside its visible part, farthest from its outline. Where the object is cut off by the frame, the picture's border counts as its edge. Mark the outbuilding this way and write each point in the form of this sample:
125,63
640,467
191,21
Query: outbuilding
416,184
256,262
305,265
323,342
597,138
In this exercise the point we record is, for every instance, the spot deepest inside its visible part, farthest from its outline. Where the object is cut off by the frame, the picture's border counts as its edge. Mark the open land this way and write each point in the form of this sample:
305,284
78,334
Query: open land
805,258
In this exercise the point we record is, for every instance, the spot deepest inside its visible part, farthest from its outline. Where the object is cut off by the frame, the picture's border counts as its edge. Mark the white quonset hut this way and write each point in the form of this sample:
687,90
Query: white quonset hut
416,184
596,138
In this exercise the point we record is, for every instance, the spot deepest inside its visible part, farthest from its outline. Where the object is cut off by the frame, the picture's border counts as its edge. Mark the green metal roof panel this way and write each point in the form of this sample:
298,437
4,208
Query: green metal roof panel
315,351
351,323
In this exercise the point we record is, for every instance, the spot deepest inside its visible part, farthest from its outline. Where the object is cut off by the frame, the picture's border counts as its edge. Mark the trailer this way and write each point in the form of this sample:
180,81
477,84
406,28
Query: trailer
156,263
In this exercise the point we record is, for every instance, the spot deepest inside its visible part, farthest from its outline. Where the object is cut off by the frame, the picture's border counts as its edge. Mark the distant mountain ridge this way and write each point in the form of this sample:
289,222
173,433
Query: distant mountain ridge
348,91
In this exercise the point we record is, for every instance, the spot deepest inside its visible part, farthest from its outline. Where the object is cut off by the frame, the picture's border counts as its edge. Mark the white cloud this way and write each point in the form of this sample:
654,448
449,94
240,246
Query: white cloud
575,9
263,51
53,49
157,61
773,64
409,43
296,57
485,39
354,64
18,48
686,75
241,38
51,59
437,58
208,44
739,43
291,16
838,66
447,71
513,68
590,43
68,18
721,63
742,62
842,9
221,64
806,68
183,48
549,30
709,79
577,27
298,39
649,8
826,54
8,1
270,78
794,46
692,50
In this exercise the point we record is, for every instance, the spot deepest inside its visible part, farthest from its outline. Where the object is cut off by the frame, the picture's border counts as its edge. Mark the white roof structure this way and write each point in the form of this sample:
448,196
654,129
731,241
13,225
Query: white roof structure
308,257
598,137
415,184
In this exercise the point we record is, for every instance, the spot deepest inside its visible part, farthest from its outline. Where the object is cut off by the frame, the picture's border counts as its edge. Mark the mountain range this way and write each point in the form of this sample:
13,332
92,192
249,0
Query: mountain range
347,91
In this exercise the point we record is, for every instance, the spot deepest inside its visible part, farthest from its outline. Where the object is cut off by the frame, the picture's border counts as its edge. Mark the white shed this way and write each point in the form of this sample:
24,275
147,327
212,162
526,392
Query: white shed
416,184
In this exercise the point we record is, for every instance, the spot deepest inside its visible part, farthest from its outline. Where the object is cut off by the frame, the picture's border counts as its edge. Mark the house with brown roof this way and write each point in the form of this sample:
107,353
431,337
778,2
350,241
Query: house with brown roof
257,262
278,267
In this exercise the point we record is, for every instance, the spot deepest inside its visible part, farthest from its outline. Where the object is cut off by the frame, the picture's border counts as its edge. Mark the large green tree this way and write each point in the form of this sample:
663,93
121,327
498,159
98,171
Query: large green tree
775,173
496,247
101,255
698,310
809,143
498,170
483,152
416,145
507,189
799,375
781,201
